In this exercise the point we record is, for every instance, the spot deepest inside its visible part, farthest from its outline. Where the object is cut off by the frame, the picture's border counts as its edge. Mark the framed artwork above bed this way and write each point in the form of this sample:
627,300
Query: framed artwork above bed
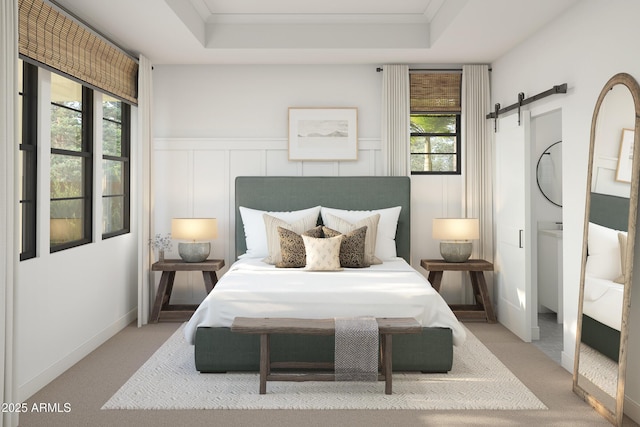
323,134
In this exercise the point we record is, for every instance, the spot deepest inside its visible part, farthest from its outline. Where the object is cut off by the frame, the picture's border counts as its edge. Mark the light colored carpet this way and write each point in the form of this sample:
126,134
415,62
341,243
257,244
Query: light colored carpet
168,380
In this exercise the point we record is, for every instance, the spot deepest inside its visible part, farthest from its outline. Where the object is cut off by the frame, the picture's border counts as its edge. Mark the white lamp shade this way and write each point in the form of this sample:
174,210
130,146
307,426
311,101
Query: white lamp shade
456,228
194,229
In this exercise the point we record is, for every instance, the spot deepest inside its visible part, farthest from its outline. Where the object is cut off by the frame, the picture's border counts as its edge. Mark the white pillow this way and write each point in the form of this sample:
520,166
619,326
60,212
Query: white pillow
387,226
323,254
255,232
603,248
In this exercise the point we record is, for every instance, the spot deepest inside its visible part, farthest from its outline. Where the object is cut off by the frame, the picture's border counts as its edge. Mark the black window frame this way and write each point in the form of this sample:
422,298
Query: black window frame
125,159
458,137
86,154
29,147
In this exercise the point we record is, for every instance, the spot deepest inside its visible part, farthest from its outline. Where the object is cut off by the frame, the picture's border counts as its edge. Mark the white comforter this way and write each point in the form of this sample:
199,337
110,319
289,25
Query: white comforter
252,288
603,301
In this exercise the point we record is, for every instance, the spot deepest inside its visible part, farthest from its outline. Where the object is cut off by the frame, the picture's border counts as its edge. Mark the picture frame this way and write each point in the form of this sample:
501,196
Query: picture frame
323,134
625,157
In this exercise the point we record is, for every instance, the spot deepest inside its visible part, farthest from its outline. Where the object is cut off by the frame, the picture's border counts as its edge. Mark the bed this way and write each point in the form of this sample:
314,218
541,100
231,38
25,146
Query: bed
253,288
603,292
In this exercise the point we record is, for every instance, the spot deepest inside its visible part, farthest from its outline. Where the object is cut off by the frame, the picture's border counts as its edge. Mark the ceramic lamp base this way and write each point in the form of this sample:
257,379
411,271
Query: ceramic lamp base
455,251
194,252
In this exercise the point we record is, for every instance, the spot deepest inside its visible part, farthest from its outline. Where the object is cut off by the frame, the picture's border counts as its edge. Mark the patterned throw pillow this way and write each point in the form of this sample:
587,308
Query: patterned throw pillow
271,224
322,254
352,248
371,222
292,247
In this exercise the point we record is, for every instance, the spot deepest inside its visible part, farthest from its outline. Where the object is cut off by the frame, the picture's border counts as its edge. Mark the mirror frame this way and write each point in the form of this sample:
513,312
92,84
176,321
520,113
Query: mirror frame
546,196
616,416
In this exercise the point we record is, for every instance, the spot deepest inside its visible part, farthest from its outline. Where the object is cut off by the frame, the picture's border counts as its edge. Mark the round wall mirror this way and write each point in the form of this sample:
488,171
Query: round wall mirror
549,173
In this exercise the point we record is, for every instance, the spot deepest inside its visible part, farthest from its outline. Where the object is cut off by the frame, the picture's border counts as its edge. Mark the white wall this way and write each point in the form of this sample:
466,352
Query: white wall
584,47
69,302
213,123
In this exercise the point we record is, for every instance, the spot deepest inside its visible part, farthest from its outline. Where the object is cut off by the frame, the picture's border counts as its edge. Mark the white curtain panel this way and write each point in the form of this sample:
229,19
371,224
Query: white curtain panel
478,167
395,120
8,198
143,189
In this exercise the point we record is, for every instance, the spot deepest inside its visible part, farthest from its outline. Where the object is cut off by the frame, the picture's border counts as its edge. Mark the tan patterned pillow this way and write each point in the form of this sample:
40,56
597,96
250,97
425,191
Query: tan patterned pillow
622,241
371,222
352,247
292,247
271,224
322,254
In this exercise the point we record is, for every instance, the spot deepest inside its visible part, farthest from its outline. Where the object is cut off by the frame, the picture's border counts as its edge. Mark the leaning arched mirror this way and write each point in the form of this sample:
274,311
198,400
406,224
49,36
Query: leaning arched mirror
608,242
549,173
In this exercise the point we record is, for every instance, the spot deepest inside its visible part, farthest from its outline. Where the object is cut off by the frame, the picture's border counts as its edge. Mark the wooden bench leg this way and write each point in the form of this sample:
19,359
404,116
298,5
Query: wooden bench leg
387,363
265,362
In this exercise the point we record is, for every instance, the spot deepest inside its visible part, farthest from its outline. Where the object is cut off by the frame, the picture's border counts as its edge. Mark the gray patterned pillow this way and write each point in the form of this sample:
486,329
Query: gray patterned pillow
292,247
352,253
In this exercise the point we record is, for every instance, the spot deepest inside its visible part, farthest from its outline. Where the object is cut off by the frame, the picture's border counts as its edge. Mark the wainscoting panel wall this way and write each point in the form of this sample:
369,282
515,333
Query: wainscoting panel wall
194,177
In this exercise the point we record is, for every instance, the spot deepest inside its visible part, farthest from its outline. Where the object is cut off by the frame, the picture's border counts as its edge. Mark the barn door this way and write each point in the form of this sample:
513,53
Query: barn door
513,225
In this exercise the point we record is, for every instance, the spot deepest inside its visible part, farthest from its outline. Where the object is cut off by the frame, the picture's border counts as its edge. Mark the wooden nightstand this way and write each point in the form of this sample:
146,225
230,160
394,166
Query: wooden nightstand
482,309
162,310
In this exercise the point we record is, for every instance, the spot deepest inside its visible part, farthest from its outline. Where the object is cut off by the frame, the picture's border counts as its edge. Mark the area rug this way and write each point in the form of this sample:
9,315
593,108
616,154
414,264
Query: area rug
169,380
599,369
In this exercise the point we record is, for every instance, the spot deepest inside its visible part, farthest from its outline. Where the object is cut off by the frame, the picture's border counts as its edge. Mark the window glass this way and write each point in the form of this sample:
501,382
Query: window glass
115,166
435,143
70,164
112,183
66,113
111,126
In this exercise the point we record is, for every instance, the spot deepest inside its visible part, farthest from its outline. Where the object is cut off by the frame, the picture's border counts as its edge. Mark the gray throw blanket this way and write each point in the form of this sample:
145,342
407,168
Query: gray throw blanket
356,350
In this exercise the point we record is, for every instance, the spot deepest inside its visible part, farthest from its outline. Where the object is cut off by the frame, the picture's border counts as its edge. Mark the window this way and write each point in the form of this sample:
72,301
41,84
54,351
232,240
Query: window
80,62
71,163
435,123
435,143
27,137
116,125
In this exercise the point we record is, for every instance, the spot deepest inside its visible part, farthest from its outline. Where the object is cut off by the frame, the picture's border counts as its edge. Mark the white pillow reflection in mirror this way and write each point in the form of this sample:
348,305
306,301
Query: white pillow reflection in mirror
603,248
622,240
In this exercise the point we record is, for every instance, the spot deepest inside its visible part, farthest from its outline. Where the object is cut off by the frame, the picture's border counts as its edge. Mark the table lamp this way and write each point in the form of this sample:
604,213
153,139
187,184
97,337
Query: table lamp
455,235
195,230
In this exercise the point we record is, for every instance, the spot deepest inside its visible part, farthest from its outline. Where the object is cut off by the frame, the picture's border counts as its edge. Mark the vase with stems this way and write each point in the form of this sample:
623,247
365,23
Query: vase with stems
161,242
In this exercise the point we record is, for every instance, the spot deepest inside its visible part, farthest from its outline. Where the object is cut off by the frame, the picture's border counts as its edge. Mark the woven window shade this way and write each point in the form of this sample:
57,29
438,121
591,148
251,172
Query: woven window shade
435,92
55,40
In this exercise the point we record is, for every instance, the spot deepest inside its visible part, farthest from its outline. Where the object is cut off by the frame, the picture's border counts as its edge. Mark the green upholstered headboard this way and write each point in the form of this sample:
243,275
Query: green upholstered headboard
609,211
278,193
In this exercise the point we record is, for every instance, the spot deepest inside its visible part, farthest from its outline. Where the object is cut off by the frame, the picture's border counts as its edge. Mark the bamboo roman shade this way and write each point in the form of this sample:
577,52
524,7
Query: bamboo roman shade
435,92
57,41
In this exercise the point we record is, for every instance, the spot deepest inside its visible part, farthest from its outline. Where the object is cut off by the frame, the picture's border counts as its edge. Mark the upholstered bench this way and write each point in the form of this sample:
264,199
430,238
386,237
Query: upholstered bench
387,327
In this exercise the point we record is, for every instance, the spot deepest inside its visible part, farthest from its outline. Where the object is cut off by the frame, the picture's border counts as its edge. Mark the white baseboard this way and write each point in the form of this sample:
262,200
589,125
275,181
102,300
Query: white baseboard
566,362
28,389
632,409
535,333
